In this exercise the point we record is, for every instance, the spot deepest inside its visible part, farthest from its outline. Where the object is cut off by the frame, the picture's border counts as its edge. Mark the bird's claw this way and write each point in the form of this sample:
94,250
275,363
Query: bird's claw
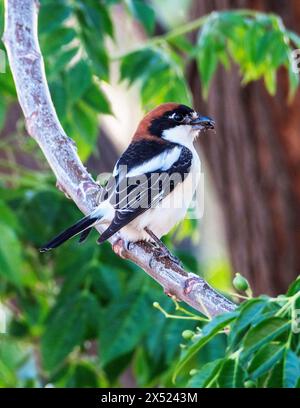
119,247
164,253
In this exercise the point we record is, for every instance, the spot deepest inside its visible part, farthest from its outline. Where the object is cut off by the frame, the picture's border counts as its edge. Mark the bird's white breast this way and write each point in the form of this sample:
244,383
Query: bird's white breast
172,209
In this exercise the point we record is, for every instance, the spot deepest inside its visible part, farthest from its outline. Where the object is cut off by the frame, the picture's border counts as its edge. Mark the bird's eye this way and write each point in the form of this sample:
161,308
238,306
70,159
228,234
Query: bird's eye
178,117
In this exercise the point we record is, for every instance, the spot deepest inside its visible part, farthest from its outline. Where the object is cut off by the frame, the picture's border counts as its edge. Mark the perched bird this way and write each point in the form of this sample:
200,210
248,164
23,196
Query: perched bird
153,181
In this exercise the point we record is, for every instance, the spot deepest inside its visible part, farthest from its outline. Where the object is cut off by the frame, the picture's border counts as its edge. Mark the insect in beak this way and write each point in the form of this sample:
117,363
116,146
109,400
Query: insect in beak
202,123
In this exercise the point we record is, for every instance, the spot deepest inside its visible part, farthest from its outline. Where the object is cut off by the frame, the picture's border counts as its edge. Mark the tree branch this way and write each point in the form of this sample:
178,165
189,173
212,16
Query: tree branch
27,66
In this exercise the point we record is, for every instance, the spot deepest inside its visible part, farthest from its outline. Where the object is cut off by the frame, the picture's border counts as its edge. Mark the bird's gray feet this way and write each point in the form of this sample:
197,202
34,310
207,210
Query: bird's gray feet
163,252
160,249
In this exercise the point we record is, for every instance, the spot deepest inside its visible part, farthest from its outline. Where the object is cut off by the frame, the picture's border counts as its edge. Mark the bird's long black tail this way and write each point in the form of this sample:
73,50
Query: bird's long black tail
83,226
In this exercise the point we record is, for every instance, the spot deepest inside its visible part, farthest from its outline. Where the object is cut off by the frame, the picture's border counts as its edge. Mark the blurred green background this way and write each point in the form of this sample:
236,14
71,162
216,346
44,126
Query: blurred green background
81,316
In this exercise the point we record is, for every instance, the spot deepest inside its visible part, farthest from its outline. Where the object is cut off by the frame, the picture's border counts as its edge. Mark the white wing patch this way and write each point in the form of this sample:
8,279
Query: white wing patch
115,170
163,161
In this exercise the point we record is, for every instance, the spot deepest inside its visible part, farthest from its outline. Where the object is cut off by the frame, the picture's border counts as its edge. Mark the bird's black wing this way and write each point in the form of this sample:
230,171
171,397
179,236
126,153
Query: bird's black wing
135,195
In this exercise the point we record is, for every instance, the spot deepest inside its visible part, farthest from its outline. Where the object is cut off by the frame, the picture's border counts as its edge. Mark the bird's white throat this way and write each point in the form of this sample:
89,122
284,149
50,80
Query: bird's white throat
182,134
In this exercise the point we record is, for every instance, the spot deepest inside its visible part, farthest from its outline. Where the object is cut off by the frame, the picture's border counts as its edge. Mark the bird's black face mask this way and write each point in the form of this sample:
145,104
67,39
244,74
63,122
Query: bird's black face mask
182,115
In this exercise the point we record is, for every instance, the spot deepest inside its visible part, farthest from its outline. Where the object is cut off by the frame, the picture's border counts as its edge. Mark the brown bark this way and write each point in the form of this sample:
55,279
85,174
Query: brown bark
255,162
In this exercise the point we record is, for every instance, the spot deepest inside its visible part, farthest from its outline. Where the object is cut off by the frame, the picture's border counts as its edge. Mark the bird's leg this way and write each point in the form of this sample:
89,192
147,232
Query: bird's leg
163,250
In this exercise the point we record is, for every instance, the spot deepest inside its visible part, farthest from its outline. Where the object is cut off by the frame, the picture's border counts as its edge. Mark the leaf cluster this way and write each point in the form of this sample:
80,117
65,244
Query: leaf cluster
262,346
79,316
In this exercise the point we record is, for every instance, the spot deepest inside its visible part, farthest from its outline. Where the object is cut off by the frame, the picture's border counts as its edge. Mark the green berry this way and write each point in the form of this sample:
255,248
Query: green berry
240,283
188,334
250,384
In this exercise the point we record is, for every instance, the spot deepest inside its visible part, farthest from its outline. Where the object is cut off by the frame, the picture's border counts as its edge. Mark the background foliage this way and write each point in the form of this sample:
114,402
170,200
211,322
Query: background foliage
80,316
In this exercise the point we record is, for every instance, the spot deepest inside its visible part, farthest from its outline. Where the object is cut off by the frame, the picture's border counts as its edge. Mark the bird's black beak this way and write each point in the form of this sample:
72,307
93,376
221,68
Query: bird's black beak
202,123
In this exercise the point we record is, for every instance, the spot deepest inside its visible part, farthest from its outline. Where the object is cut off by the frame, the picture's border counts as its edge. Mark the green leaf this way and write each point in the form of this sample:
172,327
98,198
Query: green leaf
35,210
105,20
294,287
169,88
65,329
291,369
59,97
160,74
144,13
183,44
208,332
205,375
136,64
8,217
270,81
61,60
13,355
261,47
275,379
231,374
123,328
105,281
83,374
10,255
58,39
170,330
78,80
279,50
141,368
257,43
51,16
265,359
3,110
97,54
96,99
207,61
85,125
264,332
250,311
7,84
95,17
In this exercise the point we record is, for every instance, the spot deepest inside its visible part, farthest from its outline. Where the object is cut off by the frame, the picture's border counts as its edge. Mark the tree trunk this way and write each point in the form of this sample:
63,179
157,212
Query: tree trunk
255,162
